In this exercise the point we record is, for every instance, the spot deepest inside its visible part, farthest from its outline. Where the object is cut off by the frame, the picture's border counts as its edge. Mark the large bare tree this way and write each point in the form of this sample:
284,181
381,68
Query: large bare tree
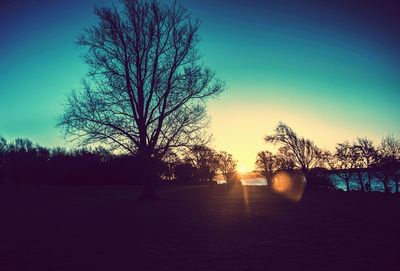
298,153
146,89
302,152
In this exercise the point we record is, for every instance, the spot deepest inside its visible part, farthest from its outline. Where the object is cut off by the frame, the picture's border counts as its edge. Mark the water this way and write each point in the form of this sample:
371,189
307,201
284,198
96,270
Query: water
376,185
254,181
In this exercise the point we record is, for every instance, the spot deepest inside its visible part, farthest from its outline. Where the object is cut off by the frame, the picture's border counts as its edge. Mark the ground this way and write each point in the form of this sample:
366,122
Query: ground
196,228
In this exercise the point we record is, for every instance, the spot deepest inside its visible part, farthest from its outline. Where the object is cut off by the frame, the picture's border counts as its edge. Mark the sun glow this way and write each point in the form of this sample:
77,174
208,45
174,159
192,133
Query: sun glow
242,169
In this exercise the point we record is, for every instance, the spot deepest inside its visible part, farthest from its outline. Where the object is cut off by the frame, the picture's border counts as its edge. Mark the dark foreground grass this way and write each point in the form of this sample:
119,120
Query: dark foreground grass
196,228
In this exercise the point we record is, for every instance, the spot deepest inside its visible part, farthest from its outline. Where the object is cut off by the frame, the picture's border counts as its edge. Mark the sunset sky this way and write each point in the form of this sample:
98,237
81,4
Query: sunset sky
330,71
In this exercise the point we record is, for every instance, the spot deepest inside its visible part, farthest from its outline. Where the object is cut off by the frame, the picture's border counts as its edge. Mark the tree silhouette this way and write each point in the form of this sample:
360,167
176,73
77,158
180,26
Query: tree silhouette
204,160
366,156
388,162
185,173
301,152
266,163
344,162
168,166
282,162
147,87
227,165
21,160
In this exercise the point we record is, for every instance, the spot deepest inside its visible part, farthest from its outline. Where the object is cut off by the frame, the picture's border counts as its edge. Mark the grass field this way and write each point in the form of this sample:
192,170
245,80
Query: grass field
196,228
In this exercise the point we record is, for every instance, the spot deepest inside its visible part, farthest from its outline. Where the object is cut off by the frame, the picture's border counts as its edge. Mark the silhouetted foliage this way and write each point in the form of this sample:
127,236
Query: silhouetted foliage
366,156
168,166
300,152
344,162
320,178
147,86
22,162
185,173
227,166
388,162
204,160
266,163
283,162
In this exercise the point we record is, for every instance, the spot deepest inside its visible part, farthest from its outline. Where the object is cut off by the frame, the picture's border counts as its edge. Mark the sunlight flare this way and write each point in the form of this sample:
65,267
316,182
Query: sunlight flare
289,184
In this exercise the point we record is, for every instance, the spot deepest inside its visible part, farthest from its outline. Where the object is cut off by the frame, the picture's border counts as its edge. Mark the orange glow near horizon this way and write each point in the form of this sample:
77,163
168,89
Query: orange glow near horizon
282,182
289,185
242,169
244,137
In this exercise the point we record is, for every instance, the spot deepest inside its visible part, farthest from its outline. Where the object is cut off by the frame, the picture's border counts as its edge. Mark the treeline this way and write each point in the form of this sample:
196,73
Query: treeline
362,160
23,162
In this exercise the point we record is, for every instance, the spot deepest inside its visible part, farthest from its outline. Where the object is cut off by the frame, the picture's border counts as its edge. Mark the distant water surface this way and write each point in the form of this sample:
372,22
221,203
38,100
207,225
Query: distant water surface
376,185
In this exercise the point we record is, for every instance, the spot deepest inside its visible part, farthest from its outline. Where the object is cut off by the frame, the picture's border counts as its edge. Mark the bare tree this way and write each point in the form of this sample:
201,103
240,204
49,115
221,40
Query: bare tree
266,163
227,166
205,160
146,89
169,163
366,156
388,164
344,162
303,153
282,162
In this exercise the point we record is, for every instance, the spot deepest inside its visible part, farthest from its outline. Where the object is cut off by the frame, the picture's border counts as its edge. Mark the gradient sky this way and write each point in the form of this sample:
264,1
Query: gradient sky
331,71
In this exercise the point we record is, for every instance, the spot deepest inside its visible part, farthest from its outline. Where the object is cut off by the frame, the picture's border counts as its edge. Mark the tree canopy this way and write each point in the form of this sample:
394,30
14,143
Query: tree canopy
147,87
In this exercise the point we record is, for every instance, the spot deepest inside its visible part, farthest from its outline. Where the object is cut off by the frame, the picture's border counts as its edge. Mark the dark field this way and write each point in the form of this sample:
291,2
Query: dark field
196,228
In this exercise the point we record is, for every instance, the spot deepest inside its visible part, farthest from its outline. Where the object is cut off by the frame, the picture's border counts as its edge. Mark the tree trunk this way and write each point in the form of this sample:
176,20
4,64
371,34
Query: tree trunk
360,179
347,185
369,181
309,179
385,182
148,175
268,179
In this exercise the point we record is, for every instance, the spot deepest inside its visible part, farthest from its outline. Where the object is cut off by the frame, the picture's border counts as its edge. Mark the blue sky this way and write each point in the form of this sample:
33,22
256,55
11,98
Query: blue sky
329,70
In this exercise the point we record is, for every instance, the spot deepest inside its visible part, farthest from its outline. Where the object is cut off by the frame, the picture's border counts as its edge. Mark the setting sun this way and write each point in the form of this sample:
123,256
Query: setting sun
245,135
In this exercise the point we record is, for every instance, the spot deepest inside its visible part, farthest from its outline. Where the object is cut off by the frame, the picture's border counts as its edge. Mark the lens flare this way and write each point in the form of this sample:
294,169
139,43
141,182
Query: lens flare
289,184
282,182
246,198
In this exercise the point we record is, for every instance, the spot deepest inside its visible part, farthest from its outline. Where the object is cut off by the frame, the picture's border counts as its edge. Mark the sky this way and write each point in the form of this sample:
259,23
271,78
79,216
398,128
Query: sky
331,71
